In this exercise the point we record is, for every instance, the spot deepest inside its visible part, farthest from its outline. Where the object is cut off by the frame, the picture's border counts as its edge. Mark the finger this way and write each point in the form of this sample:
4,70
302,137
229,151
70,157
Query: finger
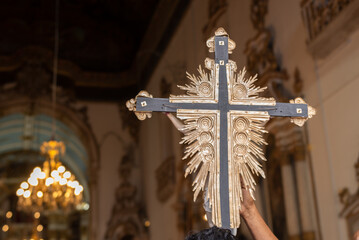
242,183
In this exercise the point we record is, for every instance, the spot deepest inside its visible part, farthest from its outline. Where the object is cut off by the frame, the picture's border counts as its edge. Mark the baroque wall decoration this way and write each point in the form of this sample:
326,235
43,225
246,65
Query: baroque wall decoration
127,220
332,19
317,15
350,203
259,49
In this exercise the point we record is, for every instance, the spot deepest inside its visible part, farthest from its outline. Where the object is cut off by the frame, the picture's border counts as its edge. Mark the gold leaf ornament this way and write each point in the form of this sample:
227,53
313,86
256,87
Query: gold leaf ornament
298,120
220,32
131,105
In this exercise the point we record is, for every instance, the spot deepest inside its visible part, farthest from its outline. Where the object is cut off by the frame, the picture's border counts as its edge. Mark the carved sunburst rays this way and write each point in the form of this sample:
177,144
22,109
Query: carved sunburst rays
201,88
201,133
244,88
245,141
244,153
243,91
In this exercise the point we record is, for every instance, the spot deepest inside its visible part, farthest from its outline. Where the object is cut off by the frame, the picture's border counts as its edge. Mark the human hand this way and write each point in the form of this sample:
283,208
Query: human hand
247,205
176,122
356,235
251,216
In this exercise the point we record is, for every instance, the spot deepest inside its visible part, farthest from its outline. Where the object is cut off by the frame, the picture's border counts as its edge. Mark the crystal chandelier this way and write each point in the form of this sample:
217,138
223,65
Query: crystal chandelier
52,187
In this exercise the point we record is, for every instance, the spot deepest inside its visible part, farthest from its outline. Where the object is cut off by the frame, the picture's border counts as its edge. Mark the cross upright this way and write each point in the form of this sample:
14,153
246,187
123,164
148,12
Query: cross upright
224,122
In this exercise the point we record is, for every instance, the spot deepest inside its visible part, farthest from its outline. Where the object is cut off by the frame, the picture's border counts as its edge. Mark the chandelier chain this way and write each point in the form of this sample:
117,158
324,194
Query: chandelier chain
55,67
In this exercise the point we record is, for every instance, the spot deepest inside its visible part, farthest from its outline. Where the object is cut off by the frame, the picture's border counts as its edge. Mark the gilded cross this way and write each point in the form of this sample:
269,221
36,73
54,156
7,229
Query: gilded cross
224,122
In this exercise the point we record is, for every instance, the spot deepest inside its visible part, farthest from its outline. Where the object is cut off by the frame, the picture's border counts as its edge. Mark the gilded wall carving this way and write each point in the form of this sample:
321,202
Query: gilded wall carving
350,203
127,219
317,14
332,19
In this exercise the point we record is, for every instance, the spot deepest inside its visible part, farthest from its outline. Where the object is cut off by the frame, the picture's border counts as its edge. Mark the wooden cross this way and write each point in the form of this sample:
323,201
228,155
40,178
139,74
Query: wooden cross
224,122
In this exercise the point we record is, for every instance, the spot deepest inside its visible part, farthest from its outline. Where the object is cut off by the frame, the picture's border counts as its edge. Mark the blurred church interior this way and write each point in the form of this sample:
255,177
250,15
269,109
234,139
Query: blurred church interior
130,174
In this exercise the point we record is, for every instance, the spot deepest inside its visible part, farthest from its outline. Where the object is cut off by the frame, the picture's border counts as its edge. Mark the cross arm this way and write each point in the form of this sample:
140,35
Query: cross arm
146,104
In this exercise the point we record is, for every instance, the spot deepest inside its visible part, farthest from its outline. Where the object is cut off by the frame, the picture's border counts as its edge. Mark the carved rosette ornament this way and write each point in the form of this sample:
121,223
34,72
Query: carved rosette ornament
131,105
224,119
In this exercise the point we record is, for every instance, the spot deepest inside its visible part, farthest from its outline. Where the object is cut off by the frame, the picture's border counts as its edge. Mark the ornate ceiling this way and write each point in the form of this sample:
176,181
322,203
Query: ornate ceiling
107,48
